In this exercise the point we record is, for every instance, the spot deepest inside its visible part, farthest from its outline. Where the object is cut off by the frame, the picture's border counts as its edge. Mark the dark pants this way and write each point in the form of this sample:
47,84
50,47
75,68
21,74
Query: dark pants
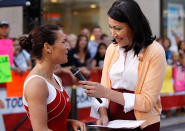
116,112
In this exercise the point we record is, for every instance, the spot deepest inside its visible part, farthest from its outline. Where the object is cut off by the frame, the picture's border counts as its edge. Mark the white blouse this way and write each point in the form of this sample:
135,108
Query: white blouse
123,75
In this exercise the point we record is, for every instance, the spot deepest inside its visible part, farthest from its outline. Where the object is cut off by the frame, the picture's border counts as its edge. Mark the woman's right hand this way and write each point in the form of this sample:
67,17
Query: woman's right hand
103,120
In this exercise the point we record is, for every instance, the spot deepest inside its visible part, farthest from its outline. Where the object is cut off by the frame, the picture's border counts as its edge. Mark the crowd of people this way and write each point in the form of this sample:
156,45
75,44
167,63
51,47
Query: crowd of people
86,51
174,58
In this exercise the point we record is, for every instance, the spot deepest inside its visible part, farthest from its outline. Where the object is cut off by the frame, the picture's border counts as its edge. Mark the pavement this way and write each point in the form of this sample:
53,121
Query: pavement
174,120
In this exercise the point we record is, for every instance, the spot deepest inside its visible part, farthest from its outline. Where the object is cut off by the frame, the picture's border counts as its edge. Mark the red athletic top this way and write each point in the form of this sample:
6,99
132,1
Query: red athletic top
58,111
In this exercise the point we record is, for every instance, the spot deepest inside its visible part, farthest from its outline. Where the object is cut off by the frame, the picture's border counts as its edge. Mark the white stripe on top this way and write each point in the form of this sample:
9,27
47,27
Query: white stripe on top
51,88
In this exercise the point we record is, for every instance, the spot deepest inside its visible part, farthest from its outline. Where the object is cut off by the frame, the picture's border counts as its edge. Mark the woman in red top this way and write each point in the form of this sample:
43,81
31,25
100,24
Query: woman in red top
45,100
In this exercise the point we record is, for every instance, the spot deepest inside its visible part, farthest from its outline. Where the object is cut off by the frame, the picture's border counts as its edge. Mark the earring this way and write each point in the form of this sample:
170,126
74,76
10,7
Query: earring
49,51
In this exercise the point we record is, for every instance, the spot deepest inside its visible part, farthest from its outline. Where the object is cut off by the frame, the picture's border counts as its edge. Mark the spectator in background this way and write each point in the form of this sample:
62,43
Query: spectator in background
98,60
159,40
180,56
166,43
181,50
104,39
71,39
181,46
176,60
4,30
93,44
86,32
172,60
80,56
21,59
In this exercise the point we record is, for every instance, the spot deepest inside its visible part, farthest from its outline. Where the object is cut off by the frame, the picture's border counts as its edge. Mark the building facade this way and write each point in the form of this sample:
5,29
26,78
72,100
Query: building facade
77,14
166,17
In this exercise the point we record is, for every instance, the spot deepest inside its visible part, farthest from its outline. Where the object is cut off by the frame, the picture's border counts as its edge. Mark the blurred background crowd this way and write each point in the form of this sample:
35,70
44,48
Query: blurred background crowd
86,51
173,58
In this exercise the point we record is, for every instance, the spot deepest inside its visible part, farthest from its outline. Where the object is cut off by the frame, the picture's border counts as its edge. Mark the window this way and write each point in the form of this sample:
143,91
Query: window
73,15
173,12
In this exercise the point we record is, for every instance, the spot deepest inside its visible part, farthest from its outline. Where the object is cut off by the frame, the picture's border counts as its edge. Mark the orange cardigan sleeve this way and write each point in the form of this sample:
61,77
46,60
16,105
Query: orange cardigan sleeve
151,85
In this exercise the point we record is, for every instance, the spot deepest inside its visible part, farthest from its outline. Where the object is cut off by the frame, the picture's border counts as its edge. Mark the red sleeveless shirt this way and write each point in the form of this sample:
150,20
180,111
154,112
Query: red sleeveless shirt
57,111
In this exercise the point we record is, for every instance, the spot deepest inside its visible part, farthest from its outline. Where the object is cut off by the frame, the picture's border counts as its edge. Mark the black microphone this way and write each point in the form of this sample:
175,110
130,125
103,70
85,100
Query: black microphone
76,72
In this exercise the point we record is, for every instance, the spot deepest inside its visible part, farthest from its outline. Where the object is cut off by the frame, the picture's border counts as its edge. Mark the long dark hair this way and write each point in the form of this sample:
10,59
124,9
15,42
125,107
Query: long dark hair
78,41
97,52
179,44
128,11
163,40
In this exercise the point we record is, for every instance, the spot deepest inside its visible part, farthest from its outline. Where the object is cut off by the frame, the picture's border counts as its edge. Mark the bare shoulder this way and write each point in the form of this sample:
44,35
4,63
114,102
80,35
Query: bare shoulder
36,88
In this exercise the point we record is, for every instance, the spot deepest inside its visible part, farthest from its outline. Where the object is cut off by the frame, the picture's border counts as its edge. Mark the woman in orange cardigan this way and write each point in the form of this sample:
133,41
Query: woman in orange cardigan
133,72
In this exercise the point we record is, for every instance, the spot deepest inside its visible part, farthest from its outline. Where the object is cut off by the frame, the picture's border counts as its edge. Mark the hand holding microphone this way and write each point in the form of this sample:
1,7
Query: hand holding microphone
89,86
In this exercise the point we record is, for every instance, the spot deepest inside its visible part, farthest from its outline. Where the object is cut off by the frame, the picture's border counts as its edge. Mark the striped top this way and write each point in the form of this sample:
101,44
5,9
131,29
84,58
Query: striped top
58,105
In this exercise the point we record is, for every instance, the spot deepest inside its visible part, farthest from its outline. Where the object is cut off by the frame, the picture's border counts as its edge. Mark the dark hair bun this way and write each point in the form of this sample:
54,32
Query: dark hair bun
25,43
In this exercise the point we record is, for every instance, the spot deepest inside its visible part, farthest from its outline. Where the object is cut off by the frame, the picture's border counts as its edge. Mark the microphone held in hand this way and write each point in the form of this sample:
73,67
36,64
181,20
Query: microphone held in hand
76,72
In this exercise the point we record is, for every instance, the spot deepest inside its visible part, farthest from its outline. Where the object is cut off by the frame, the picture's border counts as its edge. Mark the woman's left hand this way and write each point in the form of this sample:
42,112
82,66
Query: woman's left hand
94,89
76,125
